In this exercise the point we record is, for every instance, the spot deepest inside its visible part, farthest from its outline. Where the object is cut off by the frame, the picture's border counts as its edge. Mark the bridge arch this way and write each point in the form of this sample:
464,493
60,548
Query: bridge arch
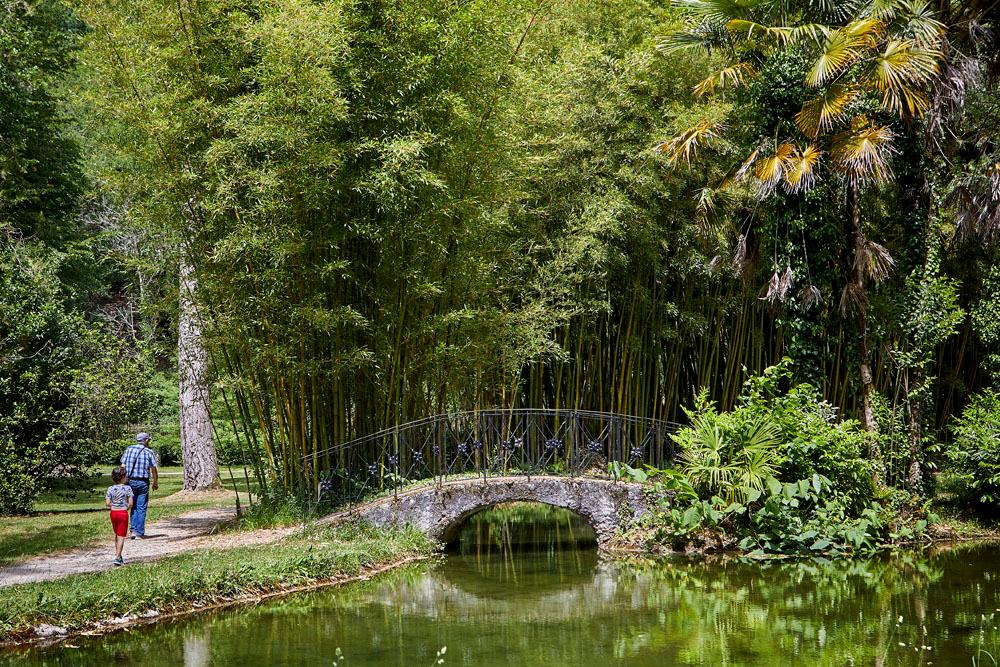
440,509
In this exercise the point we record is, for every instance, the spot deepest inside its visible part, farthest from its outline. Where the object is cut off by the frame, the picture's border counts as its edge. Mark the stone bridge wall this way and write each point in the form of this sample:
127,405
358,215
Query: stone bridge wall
440,510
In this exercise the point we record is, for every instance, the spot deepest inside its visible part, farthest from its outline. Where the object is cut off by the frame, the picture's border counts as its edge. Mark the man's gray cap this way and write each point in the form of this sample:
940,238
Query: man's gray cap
142,437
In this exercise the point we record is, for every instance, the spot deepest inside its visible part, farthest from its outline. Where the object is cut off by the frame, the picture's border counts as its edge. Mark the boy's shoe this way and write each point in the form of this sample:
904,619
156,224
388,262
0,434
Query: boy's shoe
119,561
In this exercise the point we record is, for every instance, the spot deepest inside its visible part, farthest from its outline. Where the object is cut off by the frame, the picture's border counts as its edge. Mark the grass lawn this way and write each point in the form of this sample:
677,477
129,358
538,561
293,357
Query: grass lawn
73,514
204,577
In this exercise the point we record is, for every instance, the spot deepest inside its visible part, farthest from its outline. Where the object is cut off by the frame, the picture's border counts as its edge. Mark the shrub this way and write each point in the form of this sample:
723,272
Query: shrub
975,453
779,471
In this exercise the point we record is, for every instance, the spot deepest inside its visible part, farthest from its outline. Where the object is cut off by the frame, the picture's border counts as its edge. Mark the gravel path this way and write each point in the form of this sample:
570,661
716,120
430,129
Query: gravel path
163,538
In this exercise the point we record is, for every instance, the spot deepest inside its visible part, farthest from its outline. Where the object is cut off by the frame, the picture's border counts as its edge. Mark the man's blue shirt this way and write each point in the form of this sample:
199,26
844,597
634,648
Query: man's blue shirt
138,459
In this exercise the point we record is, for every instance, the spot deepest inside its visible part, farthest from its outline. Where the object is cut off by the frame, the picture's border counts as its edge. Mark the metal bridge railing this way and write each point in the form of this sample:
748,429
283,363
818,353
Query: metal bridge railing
482,444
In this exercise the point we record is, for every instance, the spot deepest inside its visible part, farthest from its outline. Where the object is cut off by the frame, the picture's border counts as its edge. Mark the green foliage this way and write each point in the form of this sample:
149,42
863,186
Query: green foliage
975,453
725,455
40,345
778,474
40,176
67,388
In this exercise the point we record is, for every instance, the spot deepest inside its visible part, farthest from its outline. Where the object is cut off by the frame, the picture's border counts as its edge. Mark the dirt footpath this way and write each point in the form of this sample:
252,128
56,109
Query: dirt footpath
163,538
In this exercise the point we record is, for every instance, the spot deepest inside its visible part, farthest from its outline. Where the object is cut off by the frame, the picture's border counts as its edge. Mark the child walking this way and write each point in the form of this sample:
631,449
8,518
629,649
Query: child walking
118,499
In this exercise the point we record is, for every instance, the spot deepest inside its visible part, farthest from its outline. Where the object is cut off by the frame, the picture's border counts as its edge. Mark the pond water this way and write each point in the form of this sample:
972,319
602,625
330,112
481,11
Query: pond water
524,586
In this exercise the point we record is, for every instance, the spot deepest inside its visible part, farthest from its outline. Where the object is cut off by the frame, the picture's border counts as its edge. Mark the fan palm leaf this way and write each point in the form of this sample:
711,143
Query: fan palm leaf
728,77
771,169
821,113
684,147
920,25
843,48
863,151
746,30
800,171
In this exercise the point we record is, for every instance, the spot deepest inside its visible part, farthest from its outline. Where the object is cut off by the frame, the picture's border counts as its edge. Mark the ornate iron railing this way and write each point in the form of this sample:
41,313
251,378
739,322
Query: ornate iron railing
482,444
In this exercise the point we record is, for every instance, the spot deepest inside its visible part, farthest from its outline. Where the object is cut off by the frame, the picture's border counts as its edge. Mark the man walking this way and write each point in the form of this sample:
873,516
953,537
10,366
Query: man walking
140,466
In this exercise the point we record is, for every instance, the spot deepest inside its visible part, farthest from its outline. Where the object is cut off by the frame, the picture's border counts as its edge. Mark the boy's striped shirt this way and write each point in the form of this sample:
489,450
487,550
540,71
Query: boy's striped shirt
119,494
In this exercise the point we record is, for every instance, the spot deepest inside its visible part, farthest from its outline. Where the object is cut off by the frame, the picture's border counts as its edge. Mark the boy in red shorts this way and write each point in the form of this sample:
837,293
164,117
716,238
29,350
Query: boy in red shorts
118,499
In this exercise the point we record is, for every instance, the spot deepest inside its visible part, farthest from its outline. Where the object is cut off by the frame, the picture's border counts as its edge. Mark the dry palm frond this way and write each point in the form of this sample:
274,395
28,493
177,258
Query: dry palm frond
729,77
686,144
819,114
862,152
976,202
778,288
800,172
769,291
785,284
958,76
741,255
844,47
810,296
853,298
876,261
715,265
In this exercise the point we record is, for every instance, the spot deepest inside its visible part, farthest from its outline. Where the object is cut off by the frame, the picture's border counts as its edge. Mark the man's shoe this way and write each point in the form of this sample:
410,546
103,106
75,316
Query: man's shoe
119,561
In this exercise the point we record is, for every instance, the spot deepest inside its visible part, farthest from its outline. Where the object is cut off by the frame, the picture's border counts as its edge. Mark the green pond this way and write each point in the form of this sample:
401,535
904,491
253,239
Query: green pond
525,586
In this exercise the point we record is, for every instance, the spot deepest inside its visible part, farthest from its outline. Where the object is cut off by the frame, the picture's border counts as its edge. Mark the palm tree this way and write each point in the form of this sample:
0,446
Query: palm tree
869,65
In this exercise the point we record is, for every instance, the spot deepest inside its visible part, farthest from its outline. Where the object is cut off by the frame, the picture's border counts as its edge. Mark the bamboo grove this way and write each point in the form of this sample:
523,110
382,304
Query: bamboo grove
397,209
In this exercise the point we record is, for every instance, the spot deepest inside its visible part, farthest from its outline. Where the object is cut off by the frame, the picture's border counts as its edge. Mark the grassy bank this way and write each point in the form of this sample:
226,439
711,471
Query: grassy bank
73,514
201,578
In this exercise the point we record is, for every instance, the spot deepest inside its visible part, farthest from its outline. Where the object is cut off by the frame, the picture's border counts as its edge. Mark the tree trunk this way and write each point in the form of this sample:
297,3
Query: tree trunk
201,471
860,298
914,475
861,305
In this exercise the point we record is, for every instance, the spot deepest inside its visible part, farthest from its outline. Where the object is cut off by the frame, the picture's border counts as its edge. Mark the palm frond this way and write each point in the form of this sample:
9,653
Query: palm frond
842,48
788,36
746,30
810,296
710,204
729,77
684,147
920,23
863,151
876,261
883,10
748,162
800,171
771,169
704,36
821,113
853,299
900,72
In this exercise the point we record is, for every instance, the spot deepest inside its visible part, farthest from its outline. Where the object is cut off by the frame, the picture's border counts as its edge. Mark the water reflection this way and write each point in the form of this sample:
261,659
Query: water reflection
494,600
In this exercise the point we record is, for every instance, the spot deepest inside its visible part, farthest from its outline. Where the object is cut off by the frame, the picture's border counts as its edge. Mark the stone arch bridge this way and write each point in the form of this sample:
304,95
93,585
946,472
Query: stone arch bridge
435,472
439,510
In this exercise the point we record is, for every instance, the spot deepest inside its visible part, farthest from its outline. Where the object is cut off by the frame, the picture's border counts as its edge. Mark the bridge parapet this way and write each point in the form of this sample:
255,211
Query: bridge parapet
486,444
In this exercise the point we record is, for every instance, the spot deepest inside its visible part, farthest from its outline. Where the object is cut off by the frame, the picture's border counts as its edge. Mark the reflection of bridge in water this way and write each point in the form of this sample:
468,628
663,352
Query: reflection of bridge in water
435,472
